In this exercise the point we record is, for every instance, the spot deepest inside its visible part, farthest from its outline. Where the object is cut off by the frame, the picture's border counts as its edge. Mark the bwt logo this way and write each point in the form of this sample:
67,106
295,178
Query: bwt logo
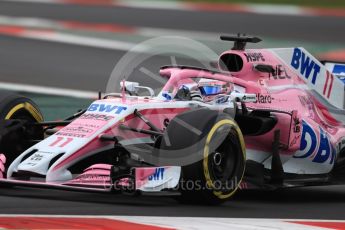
320,148
307,67
158,174
106,108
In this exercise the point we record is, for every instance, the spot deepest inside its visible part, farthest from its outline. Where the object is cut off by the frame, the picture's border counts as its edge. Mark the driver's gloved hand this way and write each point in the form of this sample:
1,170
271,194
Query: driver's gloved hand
183,94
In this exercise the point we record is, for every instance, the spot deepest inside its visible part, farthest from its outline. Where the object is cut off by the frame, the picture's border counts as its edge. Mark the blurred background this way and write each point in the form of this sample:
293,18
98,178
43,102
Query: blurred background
62,52
312,3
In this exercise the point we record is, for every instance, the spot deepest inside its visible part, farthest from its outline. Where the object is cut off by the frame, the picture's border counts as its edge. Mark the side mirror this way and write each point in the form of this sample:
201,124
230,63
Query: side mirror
133,88
130,87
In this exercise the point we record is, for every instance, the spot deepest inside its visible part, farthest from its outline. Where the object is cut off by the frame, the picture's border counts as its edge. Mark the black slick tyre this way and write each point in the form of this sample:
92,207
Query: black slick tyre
214,143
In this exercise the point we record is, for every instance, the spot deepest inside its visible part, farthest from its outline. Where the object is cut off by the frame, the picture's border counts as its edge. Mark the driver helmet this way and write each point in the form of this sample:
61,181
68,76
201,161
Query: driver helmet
210,87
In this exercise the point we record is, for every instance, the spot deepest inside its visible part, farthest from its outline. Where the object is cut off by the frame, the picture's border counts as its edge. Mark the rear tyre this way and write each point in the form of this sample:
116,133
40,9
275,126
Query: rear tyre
339,167
219,153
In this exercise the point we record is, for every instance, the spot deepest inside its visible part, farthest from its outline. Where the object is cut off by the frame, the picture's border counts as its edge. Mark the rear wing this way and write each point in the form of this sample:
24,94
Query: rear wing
317,76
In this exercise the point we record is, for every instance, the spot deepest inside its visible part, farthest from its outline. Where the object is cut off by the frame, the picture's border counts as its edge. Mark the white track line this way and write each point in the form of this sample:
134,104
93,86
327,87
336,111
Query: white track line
29,22
156,32
147,4
48,90
79,40
206,223
37,1
277,9
153,4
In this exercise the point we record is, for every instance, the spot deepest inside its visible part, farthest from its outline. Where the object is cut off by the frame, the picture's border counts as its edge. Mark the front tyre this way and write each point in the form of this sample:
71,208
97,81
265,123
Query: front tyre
217,174
15,112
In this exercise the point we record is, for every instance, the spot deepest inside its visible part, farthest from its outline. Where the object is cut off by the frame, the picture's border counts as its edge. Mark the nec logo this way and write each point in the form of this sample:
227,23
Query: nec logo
106,108
307,67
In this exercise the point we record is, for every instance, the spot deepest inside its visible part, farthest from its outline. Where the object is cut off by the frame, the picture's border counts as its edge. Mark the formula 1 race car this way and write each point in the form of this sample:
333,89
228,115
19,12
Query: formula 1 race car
266,119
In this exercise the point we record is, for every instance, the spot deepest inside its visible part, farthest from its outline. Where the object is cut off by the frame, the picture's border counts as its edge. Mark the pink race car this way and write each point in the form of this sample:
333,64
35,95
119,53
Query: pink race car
268,118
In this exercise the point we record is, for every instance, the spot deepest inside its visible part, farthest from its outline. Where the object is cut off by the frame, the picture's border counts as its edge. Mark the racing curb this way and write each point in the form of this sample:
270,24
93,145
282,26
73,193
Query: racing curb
337,55
159,223
210,7
49,30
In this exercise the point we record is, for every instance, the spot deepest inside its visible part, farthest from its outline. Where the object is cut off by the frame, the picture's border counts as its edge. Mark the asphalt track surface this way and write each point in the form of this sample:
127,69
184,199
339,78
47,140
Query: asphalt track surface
313,203
54,64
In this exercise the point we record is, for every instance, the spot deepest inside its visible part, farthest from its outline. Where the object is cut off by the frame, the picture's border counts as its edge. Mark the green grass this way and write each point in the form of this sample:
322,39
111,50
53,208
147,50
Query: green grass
57,107
315,3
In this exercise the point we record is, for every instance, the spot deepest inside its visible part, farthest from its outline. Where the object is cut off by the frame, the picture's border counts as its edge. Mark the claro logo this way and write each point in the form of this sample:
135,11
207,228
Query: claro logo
263,99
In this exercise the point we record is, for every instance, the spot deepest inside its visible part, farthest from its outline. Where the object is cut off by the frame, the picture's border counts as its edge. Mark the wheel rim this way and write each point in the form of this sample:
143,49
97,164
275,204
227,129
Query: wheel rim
223,160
